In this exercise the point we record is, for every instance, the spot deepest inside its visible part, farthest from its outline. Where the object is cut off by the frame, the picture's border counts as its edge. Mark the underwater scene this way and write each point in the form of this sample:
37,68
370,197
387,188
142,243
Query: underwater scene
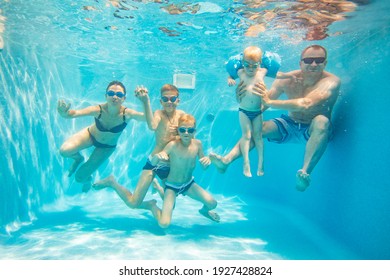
110,107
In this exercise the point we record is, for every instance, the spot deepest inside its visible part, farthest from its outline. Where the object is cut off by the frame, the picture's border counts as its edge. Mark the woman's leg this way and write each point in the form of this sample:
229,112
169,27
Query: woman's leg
72,146
98,156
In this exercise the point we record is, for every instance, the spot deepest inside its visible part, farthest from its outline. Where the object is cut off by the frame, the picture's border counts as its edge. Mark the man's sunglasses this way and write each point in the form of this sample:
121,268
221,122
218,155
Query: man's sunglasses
189,130
310,60
169,98
118,93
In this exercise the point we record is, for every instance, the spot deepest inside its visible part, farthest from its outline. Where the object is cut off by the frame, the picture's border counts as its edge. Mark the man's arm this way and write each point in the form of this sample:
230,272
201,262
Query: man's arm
324,91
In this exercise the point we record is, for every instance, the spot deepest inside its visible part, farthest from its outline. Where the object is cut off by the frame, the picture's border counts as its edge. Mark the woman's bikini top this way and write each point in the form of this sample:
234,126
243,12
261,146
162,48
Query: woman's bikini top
115,129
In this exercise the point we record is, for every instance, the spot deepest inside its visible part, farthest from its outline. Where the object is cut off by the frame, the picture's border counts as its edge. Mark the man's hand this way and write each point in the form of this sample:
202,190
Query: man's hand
260,90
240,91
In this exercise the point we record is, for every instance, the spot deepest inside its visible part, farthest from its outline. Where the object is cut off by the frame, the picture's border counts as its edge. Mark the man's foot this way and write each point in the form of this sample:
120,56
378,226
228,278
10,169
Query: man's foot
104,183
302,180
210,215
247,170
74,165
219,162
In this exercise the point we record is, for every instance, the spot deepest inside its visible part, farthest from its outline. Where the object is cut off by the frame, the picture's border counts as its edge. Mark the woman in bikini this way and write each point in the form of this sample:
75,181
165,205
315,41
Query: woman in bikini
111,118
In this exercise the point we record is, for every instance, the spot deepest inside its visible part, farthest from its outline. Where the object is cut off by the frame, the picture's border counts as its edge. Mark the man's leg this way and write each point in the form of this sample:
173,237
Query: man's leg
319,130
270,130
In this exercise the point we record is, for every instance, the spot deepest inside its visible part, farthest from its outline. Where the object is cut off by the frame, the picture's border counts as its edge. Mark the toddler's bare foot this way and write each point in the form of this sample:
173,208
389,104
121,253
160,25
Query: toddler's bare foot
247,170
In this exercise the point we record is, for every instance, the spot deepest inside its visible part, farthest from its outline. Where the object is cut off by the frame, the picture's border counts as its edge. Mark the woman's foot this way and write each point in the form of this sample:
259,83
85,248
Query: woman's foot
74,165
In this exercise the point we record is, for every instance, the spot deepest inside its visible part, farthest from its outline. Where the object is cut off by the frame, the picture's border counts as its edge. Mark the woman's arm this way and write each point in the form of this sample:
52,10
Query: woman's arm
64,110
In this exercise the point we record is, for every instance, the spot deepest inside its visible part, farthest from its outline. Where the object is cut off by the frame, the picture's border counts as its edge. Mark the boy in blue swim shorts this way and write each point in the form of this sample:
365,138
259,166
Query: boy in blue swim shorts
182,154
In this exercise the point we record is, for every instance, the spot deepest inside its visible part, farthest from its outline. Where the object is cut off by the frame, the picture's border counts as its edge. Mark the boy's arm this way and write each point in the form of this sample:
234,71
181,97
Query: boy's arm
142,94
203,160
231,81
64,110
163,155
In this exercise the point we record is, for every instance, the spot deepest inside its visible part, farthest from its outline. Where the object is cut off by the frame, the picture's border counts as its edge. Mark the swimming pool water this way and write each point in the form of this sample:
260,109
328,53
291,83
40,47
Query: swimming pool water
60,50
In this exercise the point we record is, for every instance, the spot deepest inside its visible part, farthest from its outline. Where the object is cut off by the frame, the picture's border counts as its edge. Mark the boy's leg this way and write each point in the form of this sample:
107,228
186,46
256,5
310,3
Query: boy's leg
209,203
165,217
246,125
259,143
131,200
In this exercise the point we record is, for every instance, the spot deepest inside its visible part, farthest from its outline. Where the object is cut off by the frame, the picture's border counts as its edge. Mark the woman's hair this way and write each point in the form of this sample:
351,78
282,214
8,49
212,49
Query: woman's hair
118,84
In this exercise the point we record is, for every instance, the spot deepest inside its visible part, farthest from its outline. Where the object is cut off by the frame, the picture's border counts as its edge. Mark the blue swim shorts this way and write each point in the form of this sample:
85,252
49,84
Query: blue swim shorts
291,130
161,169
180,189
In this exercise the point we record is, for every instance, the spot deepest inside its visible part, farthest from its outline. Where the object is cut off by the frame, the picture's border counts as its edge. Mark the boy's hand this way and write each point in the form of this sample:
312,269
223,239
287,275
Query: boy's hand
231,81
142,93
205,161
63,108
160,156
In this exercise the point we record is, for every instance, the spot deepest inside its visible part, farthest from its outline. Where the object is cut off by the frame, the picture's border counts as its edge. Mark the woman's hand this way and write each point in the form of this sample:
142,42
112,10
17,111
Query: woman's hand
63,108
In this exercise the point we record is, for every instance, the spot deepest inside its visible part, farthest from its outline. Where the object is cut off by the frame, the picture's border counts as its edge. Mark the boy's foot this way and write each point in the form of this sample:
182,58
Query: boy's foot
104,183
210,215
74,166
219,162
247,170
302,180
149,204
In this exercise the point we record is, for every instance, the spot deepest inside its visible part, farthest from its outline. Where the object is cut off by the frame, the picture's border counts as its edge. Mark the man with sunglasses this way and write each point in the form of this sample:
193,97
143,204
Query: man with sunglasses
310,100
